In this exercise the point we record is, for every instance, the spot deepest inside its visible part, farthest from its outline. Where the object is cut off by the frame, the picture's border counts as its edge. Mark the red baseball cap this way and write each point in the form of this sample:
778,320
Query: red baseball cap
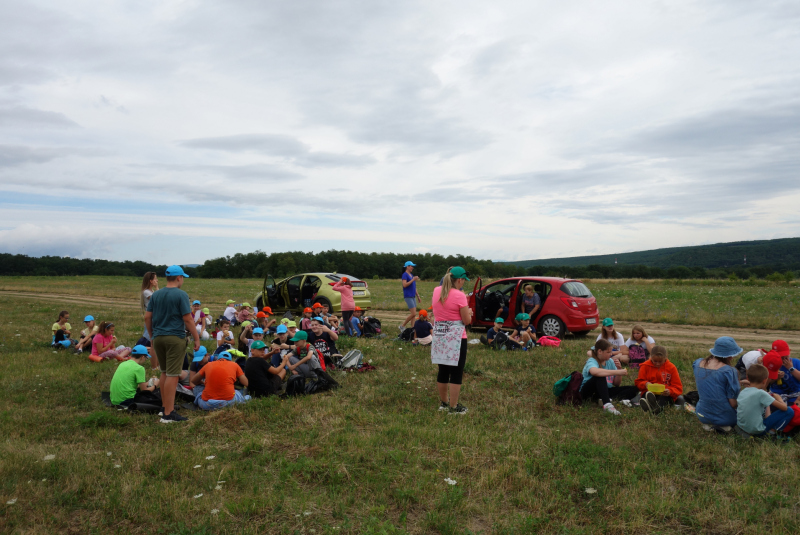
307,309
781,348
345,279
358,308
261,315
423,312
773,363
317,305
267,310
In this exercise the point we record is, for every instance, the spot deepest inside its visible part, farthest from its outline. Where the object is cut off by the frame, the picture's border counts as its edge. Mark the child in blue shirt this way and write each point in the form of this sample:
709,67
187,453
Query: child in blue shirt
602,376
757,411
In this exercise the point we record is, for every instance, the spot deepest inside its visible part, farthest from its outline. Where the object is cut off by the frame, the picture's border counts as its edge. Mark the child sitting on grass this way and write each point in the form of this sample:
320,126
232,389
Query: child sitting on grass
758,412
524,334
104,342
305,322
128,385
218,390
423,330
602,376
787,370
659,370
61,331
639,345
225,336
87,335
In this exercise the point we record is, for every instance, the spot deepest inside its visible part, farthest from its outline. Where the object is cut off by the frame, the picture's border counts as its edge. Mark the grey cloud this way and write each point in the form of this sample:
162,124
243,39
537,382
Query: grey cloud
14,155
19,116
269,173
281,146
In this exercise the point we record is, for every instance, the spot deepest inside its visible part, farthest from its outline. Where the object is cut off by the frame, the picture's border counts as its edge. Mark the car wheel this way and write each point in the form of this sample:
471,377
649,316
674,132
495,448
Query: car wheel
552,326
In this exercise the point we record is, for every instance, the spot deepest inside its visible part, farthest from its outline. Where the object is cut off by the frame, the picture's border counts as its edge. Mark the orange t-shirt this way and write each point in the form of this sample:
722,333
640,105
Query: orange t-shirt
666,375
220,377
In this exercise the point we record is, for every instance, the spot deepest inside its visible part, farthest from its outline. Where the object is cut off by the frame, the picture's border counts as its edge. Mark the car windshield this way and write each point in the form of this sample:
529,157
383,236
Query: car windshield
576,289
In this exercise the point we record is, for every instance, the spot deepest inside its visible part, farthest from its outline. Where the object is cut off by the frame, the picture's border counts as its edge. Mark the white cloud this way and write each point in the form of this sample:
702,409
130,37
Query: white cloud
502,130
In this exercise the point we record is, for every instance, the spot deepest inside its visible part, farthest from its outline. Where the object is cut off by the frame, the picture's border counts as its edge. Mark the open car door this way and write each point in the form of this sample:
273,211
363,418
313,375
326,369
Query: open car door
472,299
270,293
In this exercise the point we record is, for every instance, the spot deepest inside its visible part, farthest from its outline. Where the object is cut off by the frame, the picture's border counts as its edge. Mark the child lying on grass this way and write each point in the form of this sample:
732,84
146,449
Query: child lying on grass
660,371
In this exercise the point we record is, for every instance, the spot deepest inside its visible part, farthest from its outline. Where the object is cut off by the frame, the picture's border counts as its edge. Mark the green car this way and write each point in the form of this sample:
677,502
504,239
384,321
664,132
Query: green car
300,291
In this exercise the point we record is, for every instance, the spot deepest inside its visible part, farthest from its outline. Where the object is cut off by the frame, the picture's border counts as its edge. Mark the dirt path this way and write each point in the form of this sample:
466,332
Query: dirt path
662,332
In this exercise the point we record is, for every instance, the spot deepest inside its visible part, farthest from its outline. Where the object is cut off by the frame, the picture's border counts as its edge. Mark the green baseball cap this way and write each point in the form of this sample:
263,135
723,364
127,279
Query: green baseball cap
258,344
291,324
206,311
499,320
230,302
246,305
459,273
608,322
299,335
519,317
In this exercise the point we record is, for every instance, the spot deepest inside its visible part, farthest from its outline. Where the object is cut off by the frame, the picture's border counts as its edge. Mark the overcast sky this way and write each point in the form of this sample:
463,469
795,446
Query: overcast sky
177,131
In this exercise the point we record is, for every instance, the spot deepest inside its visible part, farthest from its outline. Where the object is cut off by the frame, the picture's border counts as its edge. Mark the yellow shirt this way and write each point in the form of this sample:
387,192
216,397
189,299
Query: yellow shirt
66,327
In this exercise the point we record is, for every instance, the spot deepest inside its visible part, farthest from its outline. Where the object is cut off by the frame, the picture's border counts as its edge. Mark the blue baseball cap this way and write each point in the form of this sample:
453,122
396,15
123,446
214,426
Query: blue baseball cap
175,271
319,319
258,330
196,302
224,355
200,354
140,351
88,318
281,329
409,263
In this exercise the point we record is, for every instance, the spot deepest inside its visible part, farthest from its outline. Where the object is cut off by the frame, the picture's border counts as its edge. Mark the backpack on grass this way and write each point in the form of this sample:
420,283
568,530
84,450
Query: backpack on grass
549,341
407,335
352,359
568,389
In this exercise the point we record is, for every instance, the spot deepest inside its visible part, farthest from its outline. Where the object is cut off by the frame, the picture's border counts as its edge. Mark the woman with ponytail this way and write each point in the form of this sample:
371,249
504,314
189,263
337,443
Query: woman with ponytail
449,346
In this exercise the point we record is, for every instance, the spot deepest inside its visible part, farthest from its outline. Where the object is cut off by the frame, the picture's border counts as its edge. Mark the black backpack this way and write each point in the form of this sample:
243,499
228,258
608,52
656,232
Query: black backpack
296,385
500,340
407,335
371,327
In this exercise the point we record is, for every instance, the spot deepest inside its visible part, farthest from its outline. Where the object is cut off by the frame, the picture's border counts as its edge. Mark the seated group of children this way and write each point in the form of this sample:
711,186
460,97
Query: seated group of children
98,340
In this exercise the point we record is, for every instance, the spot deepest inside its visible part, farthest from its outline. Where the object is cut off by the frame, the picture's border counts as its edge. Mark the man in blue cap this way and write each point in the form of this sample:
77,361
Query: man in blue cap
169,318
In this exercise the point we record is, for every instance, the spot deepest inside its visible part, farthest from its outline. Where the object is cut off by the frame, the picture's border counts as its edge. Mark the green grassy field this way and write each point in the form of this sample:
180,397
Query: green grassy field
371,457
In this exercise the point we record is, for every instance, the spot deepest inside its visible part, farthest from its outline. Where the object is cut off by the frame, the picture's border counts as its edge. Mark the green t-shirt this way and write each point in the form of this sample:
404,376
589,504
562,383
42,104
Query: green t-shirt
126,381
168,306
750,410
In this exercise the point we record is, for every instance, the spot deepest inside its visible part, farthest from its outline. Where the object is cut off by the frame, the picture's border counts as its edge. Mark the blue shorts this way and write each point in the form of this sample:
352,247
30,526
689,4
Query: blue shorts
410,302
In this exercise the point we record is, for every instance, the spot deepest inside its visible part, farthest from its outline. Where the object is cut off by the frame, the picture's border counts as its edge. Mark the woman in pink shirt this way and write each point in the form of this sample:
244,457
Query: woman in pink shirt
345,287
450,305
103,345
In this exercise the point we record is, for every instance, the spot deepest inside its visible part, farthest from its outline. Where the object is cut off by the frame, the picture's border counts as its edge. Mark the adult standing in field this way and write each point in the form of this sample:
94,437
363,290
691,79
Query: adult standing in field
149,287
718,386
449,346
169,318
345,287
410,294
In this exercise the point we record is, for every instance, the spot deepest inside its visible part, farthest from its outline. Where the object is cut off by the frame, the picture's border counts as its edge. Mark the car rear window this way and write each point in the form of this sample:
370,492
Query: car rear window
355,282
575,289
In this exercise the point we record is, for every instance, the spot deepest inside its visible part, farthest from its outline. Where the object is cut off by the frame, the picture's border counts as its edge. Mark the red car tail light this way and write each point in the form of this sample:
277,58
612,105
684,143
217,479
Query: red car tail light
569,302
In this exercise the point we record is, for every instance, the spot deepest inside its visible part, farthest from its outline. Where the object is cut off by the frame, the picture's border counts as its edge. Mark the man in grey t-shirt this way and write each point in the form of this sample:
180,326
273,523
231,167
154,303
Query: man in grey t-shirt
168,319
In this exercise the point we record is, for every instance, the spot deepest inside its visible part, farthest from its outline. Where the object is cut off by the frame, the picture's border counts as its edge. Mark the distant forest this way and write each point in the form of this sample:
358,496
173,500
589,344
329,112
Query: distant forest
390,265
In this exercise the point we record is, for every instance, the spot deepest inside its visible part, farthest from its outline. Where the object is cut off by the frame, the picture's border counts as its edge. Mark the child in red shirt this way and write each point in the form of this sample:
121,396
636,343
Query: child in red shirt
659,370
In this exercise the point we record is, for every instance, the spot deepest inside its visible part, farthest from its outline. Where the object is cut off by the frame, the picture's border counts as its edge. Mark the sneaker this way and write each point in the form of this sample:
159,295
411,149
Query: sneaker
608,407
172,417
652,400
161,412
484,340
444,406
644,404
458,409
629,403
400,328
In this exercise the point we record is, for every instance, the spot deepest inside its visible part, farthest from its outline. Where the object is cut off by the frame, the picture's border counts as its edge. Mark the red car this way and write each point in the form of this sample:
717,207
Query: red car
567,304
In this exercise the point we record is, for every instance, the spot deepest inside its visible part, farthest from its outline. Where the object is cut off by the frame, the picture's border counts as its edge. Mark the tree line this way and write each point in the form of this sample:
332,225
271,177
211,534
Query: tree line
371,266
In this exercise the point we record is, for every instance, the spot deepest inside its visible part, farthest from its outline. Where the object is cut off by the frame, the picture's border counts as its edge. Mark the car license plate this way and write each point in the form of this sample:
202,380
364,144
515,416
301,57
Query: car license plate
591,321
358,292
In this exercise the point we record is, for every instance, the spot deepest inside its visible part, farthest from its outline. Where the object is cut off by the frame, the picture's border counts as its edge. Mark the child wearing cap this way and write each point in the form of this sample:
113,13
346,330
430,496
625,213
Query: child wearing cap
345,287
264,376
244,313
129,379
617,341
758,412
748,359
304,359
230,310
305,322
356,325
266,323
87,335
524,334
423,330
659,370
219,390
249,335
61,331
784,371
104,342
199,360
